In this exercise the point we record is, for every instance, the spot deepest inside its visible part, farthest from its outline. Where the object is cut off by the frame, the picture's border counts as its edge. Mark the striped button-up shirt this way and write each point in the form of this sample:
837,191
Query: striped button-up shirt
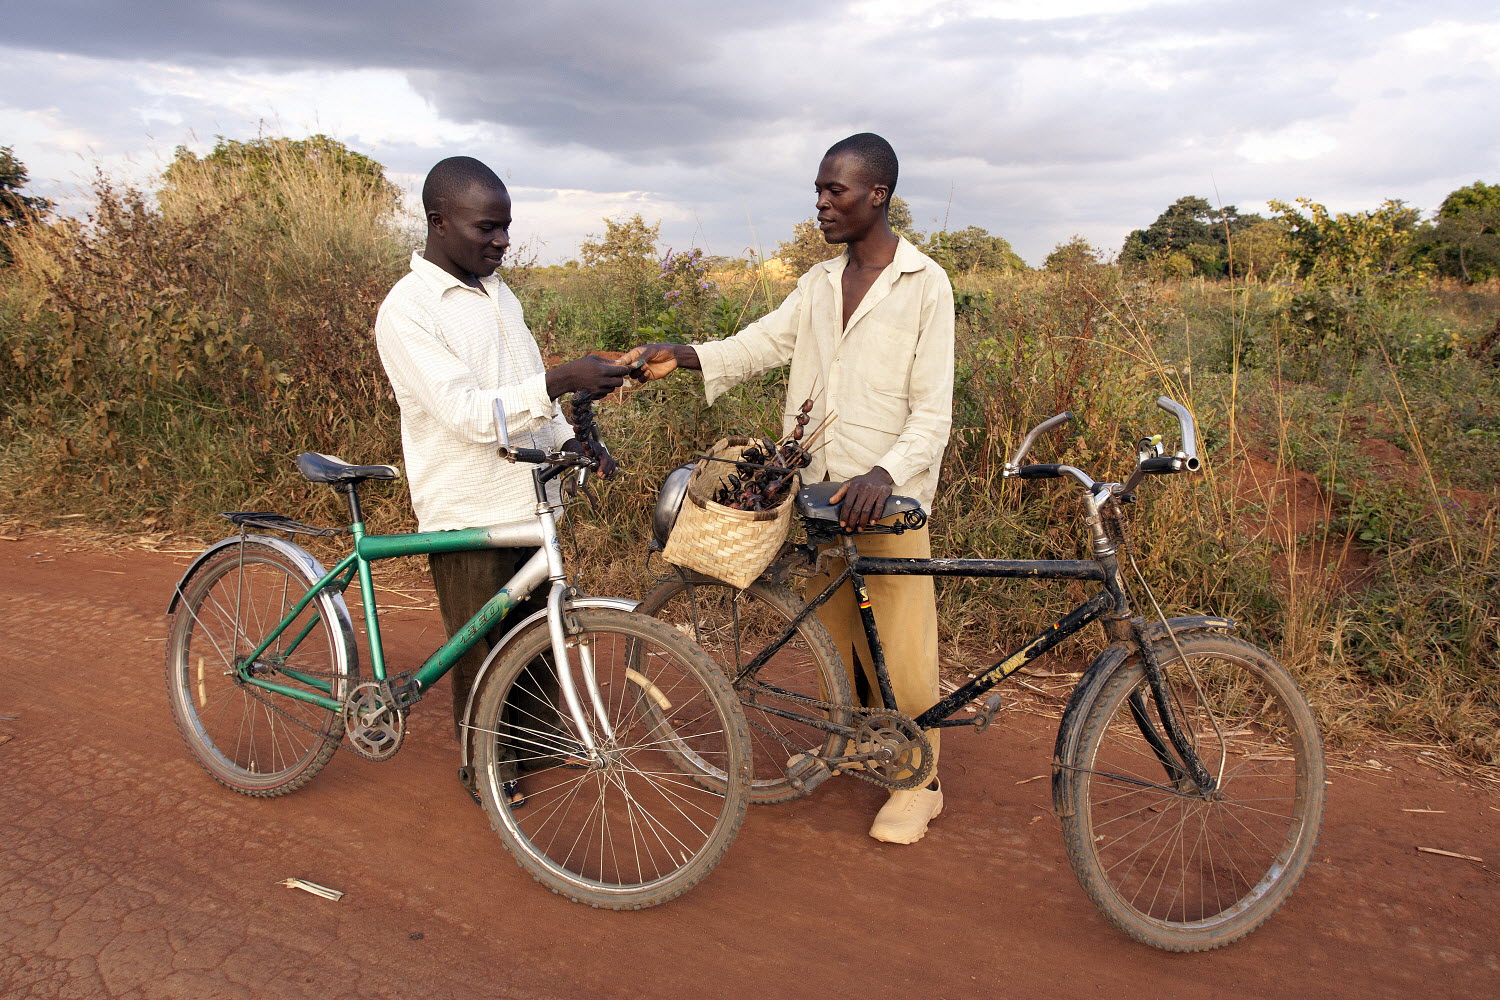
886,377
451,350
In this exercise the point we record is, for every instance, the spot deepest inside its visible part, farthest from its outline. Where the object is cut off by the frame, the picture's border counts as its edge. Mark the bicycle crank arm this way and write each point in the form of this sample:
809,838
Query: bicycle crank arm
805,772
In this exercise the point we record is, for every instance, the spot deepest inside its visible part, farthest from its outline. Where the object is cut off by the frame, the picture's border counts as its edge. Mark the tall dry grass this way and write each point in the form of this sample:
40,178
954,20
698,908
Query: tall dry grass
169,361
164,360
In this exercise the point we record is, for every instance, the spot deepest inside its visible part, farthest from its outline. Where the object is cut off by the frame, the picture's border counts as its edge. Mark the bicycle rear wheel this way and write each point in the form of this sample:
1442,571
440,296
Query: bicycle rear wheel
252,740
734,625
1167,863
629,829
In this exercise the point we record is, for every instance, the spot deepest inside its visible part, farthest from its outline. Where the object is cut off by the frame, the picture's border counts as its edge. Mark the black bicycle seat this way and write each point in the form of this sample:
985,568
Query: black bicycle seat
812,503
319,468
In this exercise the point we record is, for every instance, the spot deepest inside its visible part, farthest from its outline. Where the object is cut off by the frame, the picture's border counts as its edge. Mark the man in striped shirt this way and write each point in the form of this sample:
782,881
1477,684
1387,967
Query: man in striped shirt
453,341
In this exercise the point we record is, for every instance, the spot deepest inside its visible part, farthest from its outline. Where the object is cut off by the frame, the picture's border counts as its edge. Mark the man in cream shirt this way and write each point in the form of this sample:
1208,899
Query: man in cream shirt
453,342
869,337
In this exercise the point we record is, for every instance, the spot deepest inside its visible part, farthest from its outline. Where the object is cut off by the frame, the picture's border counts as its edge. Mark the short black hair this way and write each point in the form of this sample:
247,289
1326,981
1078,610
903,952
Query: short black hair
453,176
875,153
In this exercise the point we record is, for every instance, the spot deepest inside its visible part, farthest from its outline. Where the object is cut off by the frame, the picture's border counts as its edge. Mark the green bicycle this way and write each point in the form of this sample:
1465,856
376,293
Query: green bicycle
584,728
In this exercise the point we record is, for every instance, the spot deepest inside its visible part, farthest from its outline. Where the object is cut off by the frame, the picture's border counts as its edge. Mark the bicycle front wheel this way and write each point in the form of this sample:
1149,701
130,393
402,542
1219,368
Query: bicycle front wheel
250,739
733,626
627,828
1168,862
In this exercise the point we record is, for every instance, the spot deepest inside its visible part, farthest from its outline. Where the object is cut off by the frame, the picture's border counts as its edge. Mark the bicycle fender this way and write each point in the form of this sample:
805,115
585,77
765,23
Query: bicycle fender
1100,670
611,603
286,548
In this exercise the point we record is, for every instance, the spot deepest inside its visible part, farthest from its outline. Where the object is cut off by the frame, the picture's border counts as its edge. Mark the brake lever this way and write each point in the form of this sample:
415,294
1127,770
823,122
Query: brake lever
578,482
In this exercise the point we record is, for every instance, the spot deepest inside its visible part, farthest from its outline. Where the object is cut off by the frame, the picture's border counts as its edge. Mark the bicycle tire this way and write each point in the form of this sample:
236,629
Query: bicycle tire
1169,866
250,742
732,625
625,832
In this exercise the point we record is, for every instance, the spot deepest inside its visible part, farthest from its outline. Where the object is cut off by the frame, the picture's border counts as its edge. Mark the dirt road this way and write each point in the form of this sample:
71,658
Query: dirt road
126,872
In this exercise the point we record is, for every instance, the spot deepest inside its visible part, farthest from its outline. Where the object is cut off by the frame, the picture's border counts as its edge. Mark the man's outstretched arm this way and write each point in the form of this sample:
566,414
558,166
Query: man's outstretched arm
661,360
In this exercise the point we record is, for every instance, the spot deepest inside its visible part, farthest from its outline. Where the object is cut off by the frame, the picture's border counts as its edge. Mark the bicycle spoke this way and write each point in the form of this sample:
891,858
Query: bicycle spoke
638,819
254,740
1192,870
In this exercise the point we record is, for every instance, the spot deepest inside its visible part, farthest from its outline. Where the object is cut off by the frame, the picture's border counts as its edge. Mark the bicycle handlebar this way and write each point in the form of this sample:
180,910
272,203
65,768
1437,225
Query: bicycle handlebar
1184,460
535,456
558,460
1189,450
1013,467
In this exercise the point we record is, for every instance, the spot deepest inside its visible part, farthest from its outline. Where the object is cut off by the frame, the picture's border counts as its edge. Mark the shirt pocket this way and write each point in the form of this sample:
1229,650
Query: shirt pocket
885,353
875,416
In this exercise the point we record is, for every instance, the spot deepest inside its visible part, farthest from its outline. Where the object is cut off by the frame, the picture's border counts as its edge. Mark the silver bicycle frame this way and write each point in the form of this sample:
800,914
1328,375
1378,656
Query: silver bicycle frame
551,552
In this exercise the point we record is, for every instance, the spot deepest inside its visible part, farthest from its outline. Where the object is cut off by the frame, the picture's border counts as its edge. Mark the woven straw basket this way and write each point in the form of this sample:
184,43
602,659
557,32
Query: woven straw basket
731,545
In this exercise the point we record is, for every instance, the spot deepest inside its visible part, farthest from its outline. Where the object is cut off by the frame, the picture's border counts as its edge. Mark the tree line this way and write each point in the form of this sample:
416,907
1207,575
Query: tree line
1190,238
1305,240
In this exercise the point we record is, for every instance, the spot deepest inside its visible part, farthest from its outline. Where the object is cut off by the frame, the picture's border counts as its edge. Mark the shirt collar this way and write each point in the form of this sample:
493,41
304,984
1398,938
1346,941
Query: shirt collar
439,280
908,258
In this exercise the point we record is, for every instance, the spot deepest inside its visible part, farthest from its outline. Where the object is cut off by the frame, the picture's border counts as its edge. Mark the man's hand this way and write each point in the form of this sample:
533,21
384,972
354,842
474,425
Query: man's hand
862,499
660,360
607,465
589,374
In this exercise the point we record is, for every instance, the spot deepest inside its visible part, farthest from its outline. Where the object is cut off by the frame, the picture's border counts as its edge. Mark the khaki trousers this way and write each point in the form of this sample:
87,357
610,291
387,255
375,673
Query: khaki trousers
465,581
906,617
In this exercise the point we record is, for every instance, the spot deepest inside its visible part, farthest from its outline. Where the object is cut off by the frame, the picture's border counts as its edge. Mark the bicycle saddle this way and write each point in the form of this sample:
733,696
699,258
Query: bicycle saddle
319,468
812,503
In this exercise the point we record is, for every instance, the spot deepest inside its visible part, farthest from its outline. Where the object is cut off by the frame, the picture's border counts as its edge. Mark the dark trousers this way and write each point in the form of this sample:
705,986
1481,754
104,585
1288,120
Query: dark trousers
465,581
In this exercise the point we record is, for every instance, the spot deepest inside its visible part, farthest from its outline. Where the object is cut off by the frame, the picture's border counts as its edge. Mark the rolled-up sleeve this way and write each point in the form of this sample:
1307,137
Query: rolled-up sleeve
930,401
423,368
767,343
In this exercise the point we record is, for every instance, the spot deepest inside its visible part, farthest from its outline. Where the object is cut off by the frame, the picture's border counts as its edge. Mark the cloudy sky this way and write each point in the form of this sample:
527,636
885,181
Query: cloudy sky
1035,119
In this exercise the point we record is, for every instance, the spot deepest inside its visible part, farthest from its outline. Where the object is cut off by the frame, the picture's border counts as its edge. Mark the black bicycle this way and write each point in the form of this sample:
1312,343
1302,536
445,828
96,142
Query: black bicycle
1188,772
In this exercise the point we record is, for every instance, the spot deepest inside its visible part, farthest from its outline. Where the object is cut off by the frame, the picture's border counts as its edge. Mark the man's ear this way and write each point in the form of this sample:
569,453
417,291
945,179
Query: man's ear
879,194
435,221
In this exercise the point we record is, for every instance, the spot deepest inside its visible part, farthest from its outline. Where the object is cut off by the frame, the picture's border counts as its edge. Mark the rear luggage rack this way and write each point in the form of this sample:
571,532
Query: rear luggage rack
275,522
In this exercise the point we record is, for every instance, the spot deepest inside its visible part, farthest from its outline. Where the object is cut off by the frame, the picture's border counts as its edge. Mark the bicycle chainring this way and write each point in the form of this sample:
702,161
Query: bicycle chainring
900,753
375,729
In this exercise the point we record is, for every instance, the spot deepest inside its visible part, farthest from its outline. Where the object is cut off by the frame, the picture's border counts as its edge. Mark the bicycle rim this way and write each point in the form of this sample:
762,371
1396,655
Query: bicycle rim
251,740
631,828
1169,865
732,626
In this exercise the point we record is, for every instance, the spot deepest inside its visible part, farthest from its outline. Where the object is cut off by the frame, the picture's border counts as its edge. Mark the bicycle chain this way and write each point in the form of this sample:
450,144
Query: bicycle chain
338,742
864,773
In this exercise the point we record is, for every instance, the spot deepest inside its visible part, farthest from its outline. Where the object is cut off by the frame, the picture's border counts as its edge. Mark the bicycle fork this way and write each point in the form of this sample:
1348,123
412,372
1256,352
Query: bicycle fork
557,630
1172,748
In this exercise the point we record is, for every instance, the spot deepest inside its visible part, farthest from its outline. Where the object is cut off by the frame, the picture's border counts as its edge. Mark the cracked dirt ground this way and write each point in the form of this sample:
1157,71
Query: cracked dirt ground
126,872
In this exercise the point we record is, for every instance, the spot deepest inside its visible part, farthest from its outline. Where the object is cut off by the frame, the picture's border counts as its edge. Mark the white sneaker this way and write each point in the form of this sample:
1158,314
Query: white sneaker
904,817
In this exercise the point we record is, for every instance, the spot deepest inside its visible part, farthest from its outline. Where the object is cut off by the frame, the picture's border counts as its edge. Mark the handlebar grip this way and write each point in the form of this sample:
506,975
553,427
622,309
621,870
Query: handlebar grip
535,456
1050,471
1161,465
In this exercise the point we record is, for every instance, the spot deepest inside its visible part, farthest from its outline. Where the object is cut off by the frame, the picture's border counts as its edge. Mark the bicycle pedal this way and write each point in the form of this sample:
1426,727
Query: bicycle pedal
987,710
805,772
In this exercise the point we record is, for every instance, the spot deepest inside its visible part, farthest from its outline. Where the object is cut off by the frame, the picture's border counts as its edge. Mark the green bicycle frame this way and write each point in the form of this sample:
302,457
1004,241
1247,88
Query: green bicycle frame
372,548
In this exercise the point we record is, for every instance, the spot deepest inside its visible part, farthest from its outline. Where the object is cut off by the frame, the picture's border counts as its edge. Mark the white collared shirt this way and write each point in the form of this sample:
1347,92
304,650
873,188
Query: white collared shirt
887,377
450,350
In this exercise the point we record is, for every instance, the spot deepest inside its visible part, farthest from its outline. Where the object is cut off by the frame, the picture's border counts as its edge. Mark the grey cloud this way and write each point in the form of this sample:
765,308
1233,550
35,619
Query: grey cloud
655,80
727,108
